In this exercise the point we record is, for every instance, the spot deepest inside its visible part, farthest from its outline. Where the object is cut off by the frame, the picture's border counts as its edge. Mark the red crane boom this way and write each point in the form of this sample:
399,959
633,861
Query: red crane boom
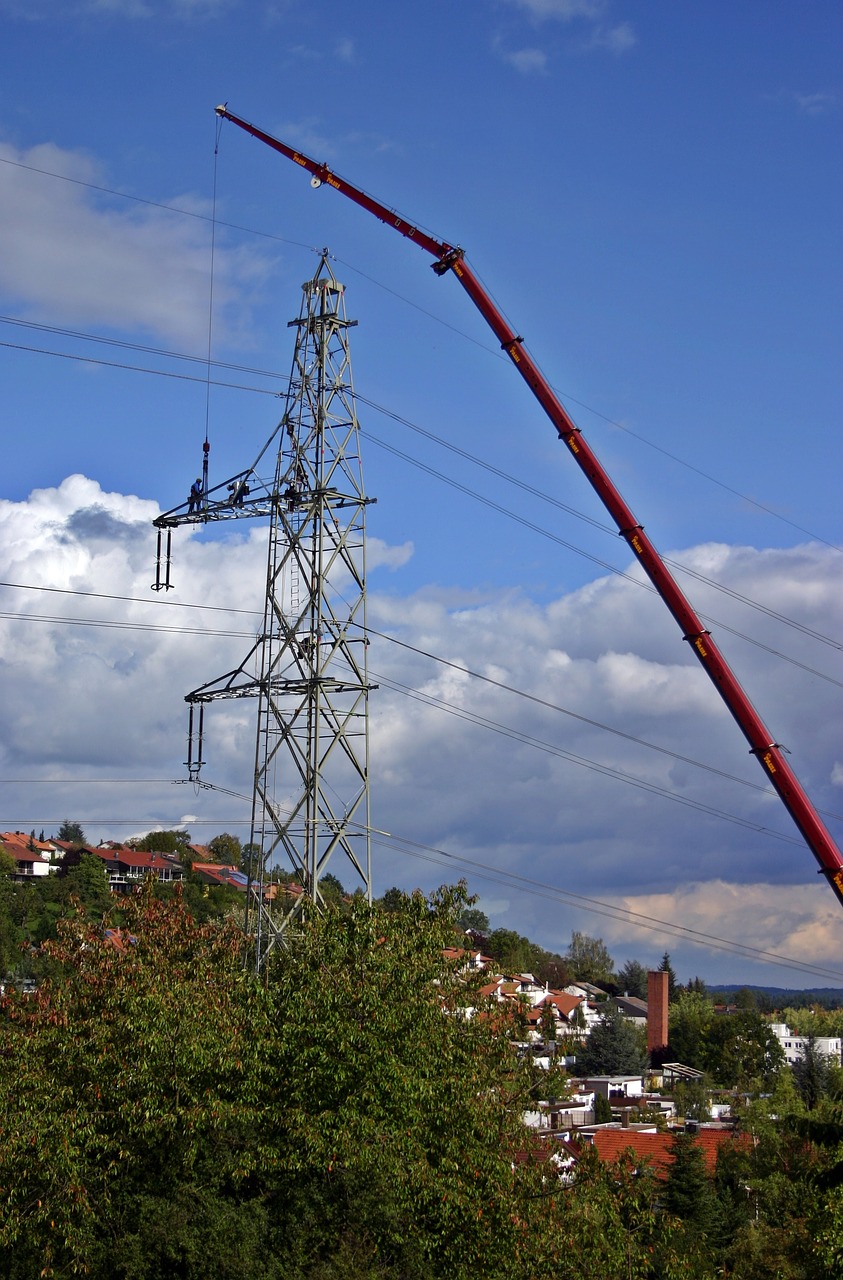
761,743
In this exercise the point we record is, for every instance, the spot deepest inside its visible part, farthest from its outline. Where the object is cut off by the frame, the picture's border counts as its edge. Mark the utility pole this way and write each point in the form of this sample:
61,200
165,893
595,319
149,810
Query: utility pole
308,668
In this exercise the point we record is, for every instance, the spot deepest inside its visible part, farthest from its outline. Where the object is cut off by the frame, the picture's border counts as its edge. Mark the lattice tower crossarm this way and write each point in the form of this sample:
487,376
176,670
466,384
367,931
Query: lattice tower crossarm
311,808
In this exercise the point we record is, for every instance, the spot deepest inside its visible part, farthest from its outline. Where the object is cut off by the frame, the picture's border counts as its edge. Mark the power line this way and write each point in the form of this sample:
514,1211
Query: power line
192,213
427,654
596,906
535,888
608,771
465,489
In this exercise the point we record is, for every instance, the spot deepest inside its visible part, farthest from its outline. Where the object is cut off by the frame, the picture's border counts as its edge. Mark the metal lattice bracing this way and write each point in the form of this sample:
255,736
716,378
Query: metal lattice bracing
311,794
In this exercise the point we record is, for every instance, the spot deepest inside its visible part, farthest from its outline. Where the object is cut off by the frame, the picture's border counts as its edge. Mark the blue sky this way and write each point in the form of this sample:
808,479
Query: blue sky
652,194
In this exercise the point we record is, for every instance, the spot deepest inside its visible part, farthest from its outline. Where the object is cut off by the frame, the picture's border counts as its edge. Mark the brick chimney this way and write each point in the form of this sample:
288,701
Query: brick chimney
657,1002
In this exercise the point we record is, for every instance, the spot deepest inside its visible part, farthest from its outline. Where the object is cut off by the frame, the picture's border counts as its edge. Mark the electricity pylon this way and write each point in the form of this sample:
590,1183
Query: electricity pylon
310,807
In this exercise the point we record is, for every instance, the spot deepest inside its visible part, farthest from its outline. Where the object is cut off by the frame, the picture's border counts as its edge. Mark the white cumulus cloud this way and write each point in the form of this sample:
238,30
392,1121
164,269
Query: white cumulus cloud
74,255
576,743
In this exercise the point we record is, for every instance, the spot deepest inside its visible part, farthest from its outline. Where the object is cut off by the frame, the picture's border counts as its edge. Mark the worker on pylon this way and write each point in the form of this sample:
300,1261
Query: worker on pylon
194,498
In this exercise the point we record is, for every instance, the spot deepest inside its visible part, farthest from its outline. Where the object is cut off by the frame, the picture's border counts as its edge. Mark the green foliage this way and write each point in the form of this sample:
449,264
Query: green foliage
689,1020
612,1048
553,970
161,842
88,881
332,889
9,933
392,900
473,918
250,860
689,1191
667,967
602,1109
137,1068
149,1140
225,849
812,1074
741,1051
164,1114
773,1212
589,958
691,1099
632,980
514,953
71,832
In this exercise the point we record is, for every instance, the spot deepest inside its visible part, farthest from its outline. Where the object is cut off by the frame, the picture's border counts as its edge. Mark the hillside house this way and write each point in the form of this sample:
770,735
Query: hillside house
32,857
126,867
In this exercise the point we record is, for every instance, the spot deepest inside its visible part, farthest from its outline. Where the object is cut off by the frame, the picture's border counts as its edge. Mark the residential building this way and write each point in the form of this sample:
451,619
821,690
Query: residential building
794,1046
32,857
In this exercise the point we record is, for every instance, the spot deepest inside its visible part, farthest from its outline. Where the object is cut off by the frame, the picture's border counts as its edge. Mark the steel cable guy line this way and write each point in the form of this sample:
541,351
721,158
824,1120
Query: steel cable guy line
537,888
474,675
596,724
608,771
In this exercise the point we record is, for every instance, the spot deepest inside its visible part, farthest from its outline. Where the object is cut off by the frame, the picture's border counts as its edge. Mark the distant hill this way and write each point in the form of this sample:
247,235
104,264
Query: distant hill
779,997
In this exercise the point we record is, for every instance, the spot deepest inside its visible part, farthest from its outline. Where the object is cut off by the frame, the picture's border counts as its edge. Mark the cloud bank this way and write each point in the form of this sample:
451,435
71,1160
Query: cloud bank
574,743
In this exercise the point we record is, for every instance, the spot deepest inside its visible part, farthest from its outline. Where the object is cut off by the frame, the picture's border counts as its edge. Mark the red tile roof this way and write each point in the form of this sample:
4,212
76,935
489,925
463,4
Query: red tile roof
22,847
655,1147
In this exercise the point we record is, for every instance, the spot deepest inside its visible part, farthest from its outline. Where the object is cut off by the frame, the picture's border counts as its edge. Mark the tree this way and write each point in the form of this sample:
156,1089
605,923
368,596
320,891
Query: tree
393,900
690,1196
332,889
9,934
250,860
226,849
613,1047
741,1051
473,918
590,959
667,967
691,1099
145,1072
149,1140
554,971
602,1110
690,1017
88,881
632,979
71,832
812,1074
513,952
161,842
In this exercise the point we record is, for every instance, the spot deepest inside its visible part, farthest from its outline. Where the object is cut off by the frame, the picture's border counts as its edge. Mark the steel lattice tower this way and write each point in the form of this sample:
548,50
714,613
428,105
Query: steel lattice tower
310,809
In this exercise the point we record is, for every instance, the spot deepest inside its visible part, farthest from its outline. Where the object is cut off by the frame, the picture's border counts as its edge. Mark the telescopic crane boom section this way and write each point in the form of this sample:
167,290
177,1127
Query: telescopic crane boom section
761,743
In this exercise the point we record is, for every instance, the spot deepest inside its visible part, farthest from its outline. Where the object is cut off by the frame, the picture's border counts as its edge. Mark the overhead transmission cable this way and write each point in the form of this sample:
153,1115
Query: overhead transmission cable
484,346
484,871
406,645
580,551
474,494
